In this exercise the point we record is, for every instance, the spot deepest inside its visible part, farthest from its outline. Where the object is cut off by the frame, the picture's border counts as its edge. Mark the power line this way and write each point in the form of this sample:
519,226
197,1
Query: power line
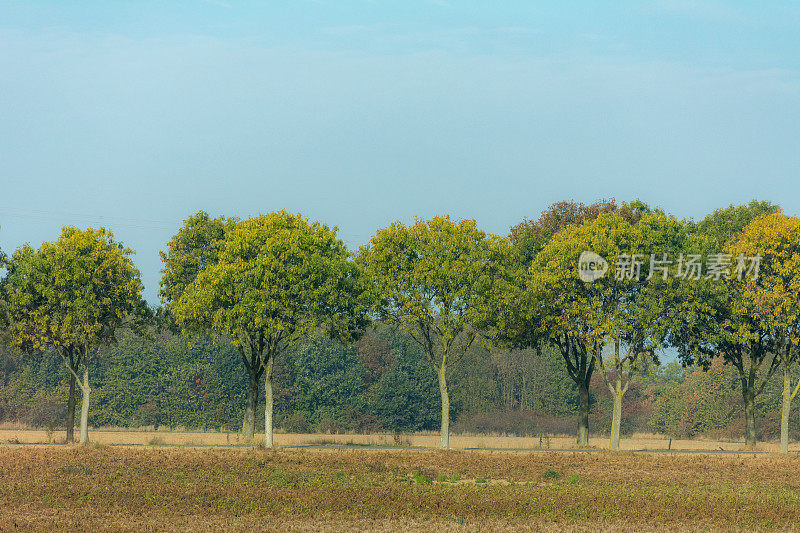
59,216
131,222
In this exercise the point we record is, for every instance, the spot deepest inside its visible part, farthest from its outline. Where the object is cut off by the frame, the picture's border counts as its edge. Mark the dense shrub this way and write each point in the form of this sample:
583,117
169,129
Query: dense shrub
515,423
702,403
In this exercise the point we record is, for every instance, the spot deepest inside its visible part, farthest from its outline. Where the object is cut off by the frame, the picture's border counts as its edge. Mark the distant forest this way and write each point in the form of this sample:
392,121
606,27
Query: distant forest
382,383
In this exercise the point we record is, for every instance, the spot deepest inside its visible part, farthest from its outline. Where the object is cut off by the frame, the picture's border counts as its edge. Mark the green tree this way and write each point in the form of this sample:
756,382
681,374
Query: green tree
73,295
328,382
277,278
404,398
725,225
724,326
628,310
428,279
193,249
532,321
160,379
702,401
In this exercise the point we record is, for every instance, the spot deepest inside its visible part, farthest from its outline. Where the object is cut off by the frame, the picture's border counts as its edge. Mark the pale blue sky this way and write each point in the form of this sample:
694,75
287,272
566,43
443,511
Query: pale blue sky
135,115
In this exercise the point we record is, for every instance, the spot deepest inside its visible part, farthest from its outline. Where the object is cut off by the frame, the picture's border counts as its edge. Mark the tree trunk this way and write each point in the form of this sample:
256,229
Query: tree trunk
785,409
583,415
268,410
617,414
445,436
249,424
85,406
749,419
72,401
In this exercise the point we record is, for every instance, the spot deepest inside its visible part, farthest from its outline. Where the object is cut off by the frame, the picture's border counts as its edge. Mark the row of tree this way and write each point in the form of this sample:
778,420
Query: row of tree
382,383
749,319
266,283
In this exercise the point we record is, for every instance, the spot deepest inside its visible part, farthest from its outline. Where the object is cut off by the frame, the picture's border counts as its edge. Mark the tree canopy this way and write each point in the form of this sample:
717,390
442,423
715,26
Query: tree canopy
628,307
72,295
722,324
195,247
429,279
277,279
771,296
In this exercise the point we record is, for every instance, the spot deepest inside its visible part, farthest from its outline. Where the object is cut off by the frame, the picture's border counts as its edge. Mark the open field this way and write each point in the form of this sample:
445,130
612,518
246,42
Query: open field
97,487
423,440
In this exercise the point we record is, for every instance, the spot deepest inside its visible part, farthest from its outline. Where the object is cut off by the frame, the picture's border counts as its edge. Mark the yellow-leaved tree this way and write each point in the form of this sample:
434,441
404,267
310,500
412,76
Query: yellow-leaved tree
72,295
431,279
771,295
276,279
524,317
625,315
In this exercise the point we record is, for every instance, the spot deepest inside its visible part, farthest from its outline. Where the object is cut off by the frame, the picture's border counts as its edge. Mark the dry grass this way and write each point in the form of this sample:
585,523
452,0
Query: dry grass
95,487
424,440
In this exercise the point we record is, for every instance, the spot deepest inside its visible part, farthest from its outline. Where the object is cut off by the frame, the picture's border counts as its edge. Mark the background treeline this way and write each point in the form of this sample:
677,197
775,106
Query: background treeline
274,310
380,384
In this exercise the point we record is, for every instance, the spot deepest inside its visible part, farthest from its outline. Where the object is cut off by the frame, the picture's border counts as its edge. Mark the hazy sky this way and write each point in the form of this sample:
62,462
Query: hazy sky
134,115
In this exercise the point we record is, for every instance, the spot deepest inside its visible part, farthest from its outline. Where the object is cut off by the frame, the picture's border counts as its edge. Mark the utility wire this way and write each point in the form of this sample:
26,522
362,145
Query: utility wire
59,216
110,222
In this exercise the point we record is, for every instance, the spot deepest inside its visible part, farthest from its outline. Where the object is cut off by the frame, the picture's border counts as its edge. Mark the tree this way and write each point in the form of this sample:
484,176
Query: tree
532,323
428,278
4,266
696,401
725,225
327,382
277,278
73,295
724,326
193,249
628,309
772,295
530,236
376,357
162,380
405,396
3,304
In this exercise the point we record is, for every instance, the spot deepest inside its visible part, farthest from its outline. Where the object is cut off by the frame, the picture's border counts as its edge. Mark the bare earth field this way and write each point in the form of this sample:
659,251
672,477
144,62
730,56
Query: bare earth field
423,440
96,487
